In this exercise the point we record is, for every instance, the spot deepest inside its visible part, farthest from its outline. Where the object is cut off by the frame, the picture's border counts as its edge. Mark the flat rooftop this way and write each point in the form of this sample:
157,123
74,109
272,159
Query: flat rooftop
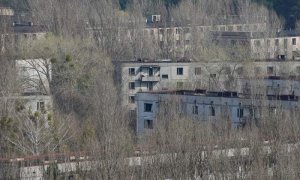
185,60
224,94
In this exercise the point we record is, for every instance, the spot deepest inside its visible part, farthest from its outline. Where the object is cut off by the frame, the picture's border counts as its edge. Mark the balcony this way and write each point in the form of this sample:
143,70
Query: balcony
150,78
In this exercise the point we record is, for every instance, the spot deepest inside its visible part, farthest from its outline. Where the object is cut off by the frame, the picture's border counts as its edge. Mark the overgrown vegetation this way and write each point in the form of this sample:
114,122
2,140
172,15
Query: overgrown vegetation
84,38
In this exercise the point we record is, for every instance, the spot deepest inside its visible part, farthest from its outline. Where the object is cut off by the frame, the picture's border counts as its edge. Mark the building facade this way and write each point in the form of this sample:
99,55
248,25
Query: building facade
211,106
282,45
148,75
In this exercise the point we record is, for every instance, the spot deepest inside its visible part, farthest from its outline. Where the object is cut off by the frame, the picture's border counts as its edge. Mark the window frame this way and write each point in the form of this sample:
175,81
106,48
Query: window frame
131,71
148,124
131,85
294,41
131,99
165,76
148,107
240,112
179,71
40,105
270,70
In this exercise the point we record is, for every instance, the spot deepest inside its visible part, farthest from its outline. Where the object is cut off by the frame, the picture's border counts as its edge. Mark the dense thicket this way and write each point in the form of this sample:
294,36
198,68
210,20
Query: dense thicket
289,9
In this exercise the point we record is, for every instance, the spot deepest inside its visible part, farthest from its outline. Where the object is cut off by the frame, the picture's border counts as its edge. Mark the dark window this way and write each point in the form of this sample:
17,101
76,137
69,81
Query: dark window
294,41
195,109
150,71
153,18
147,107
270,70
240,112
148,124
131,99
212,111
177,30
187,42
40,106
164,76
179,71
150,86
131,85
197,70
132,71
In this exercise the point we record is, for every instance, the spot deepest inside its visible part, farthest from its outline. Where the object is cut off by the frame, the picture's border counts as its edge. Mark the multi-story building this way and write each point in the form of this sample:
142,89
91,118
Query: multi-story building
17,28
33,78
201,105
261,45
148,75
281,45
177,37
30,103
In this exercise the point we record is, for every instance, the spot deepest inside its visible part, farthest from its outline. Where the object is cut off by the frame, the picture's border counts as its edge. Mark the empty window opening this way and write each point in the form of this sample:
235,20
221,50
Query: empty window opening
150,71
147,107
131,99
132,71
148,124
132,85
164,76
294,41
40,106
270,70
240,112
180,71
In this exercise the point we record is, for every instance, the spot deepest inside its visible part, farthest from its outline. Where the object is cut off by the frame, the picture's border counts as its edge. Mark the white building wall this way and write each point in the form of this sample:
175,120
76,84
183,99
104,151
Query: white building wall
34,75
255,71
